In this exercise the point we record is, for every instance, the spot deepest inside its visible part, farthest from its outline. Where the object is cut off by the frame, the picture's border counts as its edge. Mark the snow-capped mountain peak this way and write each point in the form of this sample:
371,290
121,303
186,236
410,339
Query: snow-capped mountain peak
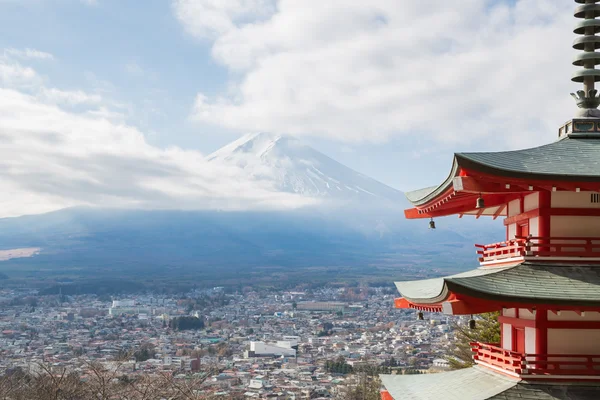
253,144
295,167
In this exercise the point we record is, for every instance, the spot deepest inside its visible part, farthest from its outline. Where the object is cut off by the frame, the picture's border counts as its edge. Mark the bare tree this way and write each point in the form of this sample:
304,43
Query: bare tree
190,388
12,384
53,383
109,381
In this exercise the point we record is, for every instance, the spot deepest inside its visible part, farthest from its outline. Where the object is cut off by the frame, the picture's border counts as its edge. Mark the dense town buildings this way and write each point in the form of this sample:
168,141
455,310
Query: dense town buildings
134,332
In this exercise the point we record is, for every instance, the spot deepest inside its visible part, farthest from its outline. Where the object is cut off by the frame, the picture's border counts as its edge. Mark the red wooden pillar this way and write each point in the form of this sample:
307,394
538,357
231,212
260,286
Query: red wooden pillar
513,333
541,331
544,218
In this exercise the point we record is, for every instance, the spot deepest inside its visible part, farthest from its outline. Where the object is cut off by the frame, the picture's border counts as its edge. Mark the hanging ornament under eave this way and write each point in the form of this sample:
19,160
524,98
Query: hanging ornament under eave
420,316
432,224
472,324
480,203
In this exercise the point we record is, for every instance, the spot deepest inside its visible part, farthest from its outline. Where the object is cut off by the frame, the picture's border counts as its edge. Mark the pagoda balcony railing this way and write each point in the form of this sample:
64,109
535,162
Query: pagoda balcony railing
536,366
532,247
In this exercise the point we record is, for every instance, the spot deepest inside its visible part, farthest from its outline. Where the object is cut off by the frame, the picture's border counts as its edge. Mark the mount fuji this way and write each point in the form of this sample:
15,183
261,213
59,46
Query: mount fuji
356,230
294,167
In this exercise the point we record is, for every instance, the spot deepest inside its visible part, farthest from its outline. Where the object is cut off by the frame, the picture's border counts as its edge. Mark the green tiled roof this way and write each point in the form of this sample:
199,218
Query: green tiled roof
568,159
527,282
572,391
434,290
478,383
466,384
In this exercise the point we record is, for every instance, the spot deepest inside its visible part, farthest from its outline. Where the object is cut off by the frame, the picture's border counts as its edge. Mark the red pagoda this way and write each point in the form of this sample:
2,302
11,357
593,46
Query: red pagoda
544,278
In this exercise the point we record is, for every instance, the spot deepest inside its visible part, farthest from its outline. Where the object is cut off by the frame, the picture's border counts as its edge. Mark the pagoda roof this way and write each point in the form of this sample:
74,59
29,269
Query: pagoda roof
532,283
478,383
470,383
572,158
434,290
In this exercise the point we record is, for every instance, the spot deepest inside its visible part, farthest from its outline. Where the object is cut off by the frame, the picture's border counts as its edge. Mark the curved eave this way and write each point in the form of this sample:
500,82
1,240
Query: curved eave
425,292
566,160
426,195
526,283
436,290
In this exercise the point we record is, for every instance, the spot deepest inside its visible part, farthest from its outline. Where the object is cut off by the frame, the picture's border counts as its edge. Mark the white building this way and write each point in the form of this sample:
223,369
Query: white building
262,349
123,303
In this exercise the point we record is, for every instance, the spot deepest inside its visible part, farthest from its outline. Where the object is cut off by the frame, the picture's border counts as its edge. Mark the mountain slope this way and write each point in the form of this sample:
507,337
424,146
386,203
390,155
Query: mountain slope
81,241
297,168
365,235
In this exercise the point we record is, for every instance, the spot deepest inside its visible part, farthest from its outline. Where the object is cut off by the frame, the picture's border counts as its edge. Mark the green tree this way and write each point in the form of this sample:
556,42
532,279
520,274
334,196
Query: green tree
367,388
145,352
339,366
412,371
186,323
487,330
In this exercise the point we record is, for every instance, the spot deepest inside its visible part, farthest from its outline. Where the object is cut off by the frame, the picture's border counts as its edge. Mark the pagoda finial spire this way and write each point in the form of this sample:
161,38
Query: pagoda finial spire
588,10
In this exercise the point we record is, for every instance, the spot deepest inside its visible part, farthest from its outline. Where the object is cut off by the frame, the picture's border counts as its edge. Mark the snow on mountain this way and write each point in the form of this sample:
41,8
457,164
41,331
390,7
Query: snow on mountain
294,167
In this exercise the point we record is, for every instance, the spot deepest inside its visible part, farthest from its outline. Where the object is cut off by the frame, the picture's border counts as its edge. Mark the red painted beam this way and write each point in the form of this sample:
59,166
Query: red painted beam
459,304
537,184
500,211
401,302
575,212
469,184
547,212
475,182
517,322
522,217
479,213
573,325
460,307
499,305
459,206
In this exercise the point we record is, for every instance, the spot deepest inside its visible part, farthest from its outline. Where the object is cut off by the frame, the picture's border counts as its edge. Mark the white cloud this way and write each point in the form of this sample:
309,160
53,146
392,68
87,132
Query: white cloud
68,97
13,74
52,158
355,70
210,18
28,54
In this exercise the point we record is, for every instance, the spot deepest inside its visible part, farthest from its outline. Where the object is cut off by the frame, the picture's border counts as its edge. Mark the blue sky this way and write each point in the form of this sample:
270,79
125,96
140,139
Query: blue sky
368,84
